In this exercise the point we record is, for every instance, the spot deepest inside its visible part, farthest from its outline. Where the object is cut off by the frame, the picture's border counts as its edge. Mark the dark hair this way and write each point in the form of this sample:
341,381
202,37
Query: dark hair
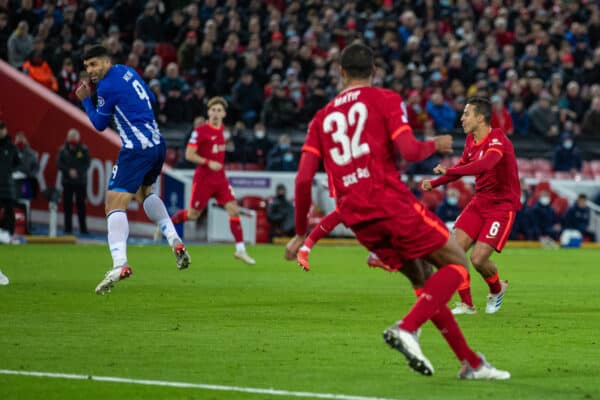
482,107
95,51
357,60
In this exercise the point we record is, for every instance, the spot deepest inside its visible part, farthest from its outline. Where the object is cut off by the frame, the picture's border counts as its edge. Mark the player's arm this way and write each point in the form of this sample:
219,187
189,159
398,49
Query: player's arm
309,163
414,150
99,117
488,161
192,155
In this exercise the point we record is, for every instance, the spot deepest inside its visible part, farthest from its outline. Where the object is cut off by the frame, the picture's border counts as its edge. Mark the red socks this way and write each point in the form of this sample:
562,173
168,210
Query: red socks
464,291
448,327
436,293
494,283
180,216
323,228
236,229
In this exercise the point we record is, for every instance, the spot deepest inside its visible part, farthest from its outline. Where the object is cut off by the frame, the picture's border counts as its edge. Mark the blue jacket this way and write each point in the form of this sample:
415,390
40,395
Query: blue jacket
578,218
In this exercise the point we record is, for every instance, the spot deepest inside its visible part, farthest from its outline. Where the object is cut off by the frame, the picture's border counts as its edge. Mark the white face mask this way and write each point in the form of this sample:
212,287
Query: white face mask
452,201
226,134
259,134
545,200
523,199
568,144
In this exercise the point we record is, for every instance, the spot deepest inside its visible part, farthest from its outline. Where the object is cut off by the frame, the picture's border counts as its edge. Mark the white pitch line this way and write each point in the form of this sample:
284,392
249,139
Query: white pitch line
148,382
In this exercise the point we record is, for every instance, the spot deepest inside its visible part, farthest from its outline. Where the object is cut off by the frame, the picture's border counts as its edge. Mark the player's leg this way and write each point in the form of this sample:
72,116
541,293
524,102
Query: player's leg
235,225
157,212
118,232
198,201
80,203
322,229
467,227
3,279
68,207
492,238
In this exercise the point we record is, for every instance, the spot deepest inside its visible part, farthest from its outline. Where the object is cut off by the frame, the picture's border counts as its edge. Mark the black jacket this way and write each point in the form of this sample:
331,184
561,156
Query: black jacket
77,157
9,160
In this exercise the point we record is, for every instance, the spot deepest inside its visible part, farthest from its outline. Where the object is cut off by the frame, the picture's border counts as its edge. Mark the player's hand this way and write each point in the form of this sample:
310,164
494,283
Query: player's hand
426,185
83,91
443,143
292,247
215,166
439,170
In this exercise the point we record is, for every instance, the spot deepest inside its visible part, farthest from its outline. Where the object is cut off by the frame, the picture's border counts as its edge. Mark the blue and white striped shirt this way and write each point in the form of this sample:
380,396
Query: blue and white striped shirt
123,95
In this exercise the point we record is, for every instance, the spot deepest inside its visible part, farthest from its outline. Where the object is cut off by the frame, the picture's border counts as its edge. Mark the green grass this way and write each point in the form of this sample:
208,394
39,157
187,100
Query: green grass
272,326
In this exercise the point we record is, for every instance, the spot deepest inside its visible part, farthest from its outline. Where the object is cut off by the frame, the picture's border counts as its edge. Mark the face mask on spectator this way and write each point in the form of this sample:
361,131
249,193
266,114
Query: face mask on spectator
284,146
568,144
288,157
259,134
226,134
452,200
523,199
369,35
545,200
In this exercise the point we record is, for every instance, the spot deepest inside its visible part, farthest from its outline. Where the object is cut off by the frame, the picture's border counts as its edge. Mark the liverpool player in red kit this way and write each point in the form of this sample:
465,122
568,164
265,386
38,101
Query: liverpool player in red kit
488,218
206,148
355,135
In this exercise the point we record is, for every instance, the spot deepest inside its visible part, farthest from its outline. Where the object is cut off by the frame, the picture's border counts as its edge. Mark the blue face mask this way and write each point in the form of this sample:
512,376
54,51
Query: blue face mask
568,144
369,35
452,201
288,157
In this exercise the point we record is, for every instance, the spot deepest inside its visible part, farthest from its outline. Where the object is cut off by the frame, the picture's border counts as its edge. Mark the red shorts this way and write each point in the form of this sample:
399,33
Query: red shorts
483,222
204,189
410,233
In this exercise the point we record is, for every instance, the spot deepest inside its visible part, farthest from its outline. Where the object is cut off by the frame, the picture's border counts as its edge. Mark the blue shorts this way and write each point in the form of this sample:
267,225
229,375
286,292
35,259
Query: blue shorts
136,168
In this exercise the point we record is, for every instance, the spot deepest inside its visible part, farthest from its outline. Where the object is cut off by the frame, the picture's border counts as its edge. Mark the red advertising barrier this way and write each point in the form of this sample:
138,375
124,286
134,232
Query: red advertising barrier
45,118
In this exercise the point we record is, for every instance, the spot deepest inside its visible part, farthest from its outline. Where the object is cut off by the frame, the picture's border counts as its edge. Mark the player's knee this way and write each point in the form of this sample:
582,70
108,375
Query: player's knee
477,259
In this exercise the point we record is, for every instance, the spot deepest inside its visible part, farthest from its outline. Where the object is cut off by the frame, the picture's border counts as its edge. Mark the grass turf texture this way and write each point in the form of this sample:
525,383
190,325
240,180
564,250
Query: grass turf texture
272,326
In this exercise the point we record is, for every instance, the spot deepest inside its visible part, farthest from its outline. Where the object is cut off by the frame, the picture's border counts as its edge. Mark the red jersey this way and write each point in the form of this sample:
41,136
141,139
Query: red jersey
209,143
499,184
354,134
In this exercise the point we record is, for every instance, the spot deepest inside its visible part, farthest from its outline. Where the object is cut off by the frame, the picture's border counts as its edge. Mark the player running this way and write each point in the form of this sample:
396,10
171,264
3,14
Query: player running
488,218
123,96
206,148
355,135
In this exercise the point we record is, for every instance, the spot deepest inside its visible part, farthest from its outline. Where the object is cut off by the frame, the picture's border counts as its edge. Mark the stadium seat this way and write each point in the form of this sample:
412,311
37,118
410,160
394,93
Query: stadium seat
563,175
231,166
560,205
253,167
256,203
432,199
172,156
263,228
541,164
167,52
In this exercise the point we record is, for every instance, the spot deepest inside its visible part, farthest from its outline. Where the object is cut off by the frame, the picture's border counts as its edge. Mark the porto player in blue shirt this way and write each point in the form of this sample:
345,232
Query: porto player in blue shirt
124,97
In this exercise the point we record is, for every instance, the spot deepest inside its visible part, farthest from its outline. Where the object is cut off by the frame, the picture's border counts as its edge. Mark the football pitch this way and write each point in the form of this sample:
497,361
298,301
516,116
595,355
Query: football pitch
225,330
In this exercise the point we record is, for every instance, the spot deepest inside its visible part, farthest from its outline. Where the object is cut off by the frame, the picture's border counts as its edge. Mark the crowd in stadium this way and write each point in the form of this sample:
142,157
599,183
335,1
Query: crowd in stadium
277,62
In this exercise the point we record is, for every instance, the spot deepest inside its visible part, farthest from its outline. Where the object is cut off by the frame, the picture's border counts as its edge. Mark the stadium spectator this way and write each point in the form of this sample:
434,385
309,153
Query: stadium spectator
5,33
280,213
9,161
382,225
571,105
148,25
20,45
578,217
175,89
206,149
546,223
487,220
442,114
281,157
591,119
523,228
448,210
247,98
196,101
38,69
501,118
67,81
543,120
28,167
279,110
73,163
567,156
519,116
187,53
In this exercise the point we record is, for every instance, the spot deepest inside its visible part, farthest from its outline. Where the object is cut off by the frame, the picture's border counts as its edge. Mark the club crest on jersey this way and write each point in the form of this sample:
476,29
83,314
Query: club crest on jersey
100,101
